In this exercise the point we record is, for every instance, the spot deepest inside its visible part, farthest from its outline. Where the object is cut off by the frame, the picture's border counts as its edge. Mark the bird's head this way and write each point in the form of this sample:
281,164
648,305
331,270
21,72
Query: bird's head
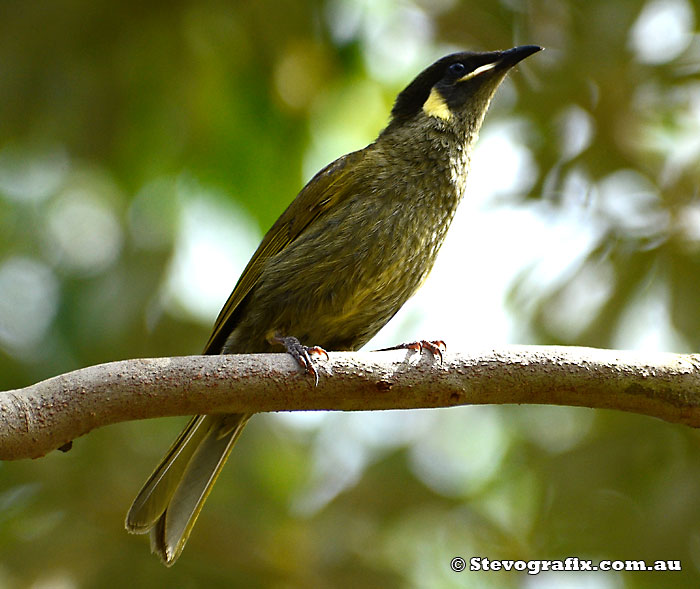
457,89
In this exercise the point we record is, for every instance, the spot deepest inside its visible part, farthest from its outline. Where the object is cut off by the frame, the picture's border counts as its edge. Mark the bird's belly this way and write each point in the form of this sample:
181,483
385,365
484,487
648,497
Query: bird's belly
337,287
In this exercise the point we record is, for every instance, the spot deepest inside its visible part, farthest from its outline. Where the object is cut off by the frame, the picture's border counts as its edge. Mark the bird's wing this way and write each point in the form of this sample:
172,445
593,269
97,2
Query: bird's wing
324,191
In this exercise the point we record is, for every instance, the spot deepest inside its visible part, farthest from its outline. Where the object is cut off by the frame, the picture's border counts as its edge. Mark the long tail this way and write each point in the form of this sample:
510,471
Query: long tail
170,501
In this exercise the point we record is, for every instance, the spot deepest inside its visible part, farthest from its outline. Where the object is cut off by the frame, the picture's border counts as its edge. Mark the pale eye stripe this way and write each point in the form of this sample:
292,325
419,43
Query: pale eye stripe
478,71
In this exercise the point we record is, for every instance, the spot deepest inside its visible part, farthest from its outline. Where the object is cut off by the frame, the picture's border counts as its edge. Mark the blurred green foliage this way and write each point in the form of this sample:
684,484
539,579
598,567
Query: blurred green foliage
119,121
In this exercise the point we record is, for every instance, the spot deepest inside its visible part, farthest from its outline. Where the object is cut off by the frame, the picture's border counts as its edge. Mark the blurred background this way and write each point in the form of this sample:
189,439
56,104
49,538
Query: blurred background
146,147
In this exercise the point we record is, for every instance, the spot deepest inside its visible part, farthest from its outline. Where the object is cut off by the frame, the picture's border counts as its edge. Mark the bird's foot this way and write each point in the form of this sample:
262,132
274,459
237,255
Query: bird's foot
302,354
436,347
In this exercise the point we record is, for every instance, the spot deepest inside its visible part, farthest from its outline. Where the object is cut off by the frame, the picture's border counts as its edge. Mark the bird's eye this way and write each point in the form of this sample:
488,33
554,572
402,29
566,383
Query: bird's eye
457,68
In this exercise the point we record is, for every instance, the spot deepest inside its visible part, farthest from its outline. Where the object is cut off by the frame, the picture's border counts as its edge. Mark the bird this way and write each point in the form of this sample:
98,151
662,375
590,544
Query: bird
356,242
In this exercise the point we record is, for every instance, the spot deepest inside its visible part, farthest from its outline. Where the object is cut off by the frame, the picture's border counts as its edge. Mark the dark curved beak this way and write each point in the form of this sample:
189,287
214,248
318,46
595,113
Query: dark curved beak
512,56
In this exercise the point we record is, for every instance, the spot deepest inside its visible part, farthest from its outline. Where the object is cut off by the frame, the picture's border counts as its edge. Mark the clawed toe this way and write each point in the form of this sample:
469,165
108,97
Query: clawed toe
302,354
436,347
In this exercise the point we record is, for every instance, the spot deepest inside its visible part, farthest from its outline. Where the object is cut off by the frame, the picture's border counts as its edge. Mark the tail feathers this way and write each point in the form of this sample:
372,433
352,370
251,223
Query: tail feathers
171,499
154,496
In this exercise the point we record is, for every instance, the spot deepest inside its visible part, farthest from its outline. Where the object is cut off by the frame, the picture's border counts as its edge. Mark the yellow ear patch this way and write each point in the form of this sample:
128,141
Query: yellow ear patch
435,106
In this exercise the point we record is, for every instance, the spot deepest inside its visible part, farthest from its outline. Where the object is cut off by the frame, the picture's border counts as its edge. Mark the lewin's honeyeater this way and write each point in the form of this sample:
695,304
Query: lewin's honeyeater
343,258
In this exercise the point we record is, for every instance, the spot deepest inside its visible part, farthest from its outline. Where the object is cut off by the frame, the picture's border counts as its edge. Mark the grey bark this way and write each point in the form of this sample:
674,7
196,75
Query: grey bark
48,415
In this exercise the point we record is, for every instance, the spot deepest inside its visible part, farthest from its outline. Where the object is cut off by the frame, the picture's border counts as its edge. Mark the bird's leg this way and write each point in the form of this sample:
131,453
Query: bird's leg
437,347
301,353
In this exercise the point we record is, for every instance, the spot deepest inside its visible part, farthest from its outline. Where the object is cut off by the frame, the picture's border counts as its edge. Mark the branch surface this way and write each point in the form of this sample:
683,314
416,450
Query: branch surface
48,415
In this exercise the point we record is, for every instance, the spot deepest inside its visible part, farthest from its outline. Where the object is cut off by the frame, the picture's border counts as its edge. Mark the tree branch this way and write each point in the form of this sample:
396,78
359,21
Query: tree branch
47,415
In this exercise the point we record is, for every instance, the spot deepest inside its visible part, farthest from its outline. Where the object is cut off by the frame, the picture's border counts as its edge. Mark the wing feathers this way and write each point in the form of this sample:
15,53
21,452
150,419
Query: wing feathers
327,188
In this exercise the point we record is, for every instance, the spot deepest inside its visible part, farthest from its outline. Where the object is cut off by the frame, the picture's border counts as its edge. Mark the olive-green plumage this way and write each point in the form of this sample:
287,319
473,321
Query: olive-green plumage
348,252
